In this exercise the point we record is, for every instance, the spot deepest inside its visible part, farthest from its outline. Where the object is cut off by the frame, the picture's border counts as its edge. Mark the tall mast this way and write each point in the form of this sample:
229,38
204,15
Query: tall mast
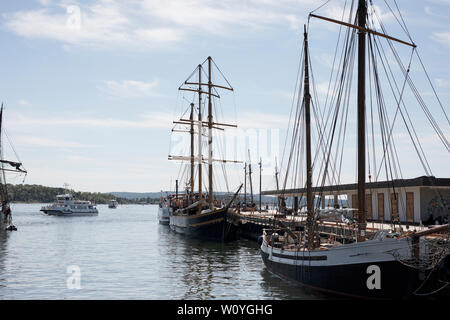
362,12
260,174
191,118
250,177
309,195
210,125
245,184
200,134
276,180
4,195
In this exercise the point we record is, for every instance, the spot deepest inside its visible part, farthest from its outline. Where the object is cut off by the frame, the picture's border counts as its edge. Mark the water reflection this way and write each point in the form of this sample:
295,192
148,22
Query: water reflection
127,254
3,243
285,289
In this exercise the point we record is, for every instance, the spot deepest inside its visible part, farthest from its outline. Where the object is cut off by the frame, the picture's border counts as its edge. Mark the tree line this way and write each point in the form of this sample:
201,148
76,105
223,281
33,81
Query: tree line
42,194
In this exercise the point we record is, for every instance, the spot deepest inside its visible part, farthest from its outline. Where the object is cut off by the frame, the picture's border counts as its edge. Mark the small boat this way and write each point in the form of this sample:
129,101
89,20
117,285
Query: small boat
6,166
113,204
164,210
65,205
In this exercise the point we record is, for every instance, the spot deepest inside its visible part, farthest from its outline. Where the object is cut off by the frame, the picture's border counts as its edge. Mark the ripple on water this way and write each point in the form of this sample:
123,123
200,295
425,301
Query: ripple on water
125,254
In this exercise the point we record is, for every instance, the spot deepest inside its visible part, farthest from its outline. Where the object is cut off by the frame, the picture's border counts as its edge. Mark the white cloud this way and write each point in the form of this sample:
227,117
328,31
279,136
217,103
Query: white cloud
24,102
131,88
45,2
150,23
254,120
442,37
443,83
104,23
220,17
149,120
440,1
50,142
159,35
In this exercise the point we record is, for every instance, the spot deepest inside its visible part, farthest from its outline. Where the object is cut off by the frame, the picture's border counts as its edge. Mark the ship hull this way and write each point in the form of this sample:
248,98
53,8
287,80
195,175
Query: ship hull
164,215
3,224
68,213
211,226
370,273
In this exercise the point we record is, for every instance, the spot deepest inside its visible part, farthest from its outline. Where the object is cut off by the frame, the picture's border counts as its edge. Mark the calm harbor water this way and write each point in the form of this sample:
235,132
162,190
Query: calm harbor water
125,253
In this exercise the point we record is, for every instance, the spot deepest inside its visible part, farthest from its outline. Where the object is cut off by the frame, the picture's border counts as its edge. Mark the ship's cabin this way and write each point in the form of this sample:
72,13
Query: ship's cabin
64,197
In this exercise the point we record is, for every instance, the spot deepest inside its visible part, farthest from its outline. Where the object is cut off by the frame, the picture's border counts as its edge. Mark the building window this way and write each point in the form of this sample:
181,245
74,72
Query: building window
369,212
394,207
410,206
355,201
381,206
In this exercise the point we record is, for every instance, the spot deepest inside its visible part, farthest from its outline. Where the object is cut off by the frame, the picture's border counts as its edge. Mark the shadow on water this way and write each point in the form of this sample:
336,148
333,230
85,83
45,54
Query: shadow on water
232,270
126,254
3,249
201,263
286,289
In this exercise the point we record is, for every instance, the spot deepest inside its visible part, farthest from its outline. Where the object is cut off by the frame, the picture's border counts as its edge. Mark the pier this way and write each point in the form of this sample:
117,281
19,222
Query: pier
251,224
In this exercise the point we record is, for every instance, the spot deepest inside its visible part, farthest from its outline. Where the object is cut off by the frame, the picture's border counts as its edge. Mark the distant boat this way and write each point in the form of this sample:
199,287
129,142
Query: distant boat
65,205
5,213
113,204
164,210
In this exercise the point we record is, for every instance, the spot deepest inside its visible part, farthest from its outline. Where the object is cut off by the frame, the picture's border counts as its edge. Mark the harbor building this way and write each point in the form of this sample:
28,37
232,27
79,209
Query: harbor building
423,199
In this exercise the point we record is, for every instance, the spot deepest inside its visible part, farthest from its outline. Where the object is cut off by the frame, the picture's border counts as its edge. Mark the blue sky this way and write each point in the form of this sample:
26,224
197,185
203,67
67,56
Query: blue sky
90,87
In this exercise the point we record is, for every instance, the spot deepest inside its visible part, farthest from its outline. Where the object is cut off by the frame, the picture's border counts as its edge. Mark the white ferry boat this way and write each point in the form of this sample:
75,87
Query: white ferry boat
65,205
113,204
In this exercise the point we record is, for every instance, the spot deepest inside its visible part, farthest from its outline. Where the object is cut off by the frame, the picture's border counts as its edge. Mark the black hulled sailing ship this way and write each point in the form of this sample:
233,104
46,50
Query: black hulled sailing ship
391,263
6,166
196,213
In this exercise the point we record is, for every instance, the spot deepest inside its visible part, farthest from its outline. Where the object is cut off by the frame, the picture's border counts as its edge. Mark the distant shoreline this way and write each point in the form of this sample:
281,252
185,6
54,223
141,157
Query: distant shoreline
41,194
105,204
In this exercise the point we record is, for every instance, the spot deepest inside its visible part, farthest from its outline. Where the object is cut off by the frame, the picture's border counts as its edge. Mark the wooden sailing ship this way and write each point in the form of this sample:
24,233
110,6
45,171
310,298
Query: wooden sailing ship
195,213
6,166
387,265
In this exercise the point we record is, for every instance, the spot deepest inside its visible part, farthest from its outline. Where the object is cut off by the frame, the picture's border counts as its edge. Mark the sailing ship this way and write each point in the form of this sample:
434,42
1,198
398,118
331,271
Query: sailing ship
193,213
12,166
388,264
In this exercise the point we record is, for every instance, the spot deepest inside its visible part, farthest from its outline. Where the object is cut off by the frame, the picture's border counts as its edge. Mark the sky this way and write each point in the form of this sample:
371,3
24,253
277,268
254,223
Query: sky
90,88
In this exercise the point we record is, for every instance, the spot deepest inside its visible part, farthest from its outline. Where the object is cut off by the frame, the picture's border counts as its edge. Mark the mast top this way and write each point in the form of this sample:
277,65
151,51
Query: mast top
362,28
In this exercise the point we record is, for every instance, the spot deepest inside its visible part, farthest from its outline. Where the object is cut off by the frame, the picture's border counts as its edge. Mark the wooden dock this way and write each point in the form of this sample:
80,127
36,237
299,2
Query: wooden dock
251,224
